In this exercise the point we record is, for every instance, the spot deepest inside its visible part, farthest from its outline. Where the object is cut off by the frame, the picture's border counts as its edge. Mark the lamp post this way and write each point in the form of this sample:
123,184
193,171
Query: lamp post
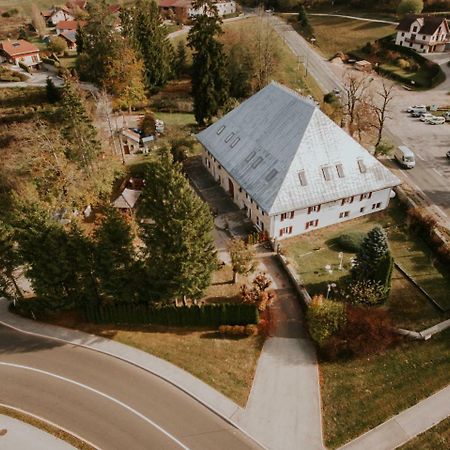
329,287
341,259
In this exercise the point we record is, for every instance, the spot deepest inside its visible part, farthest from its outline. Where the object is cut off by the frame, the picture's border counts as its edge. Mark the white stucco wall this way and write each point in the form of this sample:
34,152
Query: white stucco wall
28,60
60,15
223,8
328,214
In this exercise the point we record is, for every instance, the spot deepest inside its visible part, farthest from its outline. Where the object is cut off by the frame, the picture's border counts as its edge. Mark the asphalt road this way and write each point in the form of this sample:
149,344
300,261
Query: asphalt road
107,402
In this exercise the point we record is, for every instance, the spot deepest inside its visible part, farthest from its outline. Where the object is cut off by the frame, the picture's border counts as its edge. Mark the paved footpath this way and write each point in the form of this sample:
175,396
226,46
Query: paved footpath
17,435
405,426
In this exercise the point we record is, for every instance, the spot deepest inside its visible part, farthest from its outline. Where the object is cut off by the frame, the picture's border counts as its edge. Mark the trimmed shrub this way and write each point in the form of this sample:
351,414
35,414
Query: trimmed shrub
325,318
351,242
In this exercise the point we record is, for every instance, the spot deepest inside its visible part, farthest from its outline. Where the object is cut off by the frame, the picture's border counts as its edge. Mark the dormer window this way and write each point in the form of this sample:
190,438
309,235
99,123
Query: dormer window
302,178
220,130
229,137
326,173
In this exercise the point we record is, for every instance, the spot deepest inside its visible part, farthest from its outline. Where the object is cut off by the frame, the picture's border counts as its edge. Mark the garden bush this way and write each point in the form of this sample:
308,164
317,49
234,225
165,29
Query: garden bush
367,293
366,332
350,242
325,318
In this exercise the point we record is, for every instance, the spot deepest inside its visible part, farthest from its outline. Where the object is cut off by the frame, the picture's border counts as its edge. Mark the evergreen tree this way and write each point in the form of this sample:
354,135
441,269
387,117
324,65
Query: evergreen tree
143,26
210,84
180,63
53,93
303,20
77,127
9,263
115,259
99,44
58,262
80,38
374,249
180,248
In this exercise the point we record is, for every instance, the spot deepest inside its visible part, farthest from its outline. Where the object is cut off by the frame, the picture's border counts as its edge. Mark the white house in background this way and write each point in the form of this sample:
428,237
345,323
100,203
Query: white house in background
290,167
424,34
55,15
186,7
134,141
19,51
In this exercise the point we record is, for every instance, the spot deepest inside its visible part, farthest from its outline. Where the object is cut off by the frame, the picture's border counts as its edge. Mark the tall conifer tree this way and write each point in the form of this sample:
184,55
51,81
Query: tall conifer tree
181,254
77,127
210,84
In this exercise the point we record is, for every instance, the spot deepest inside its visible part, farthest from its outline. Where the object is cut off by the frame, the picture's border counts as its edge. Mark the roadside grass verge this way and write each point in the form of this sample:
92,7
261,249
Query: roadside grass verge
45,426
436,438
407,305
227,364
359,394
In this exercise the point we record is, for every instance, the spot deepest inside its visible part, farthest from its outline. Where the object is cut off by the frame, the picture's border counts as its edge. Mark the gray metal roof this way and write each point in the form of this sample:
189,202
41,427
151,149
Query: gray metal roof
287,154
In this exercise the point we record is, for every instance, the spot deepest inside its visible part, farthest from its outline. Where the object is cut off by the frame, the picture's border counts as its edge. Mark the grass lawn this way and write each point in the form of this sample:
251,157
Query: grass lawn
336,34
226,364
436,438
359,394
176,119
312,252
421,77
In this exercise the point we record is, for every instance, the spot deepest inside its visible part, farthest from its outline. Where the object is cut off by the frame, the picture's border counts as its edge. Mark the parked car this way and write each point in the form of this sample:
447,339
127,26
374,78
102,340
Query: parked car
417,108
425,117
446,116
448,154
405,157
436,120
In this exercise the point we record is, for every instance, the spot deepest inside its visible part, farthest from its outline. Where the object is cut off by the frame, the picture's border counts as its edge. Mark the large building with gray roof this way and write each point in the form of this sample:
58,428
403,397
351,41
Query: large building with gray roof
290,167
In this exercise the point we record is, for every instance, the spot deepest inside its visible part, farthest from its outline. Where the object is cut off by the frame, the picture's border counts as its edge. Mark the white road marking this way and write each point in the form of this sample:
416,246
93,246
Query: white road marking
437,171
102,394
53,424
420,157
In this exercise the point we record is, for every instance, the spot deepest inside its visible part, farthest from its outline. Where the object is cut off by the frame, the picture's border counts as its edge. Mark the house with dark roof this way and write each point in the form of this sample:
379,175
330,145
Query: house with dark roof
186,8
290,167
424,34
19,51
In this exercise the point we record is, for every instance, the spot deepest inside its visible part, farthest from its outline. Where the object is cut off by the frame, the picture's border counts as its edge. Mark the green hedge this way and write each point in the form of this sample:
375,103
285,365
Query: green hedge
142,314
24,67
437,75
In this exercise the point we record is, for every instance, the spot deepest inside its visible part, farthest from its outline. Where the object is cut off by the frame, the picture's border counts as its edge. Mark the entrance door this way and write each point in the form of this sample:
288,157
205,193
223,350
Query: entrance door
231,188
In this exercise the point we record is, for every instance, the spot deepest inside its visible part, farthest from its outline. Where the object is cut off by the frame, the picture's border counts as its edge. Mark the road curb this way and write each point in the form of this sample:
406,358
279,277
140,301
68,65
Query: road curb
154,372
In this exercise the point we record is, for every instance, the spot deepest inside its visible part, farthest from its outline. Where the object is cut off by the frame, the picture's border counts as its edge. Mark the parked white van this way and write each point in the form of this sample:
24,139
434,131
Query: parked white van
405,157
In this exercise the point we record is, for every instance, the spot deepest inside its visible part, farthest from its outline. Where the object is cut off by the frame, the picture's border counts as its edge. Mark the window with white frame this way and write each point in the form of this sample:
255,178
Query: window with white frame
287,215
285,230
362,209
376,206
347,200
365,196
344,214
311,224
314,209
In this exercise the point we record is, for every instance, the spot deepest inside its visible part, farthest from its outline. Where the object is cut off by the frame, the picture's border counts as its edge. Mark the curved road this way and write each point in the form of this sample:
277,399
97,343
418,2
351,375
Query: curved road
107,402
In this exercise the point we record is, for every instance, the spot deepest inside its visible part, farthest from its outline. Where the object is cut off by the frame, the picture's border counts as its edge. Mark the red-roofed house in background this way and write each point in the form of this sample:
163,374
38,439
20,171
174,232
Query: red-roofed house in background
56,15
69,25
19,51
424,34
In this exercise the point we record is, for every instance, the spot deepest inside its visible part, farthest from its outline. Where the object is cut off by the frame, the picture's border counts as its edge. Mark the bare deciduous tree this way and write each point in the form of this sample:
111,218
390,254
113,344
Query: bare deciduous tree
264,50
355,92
382,110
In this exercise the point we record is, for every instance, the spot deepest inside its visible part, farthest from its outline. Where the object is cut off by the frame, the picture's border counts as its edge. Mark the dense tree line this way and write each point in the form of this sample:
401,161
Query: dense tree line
69,267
